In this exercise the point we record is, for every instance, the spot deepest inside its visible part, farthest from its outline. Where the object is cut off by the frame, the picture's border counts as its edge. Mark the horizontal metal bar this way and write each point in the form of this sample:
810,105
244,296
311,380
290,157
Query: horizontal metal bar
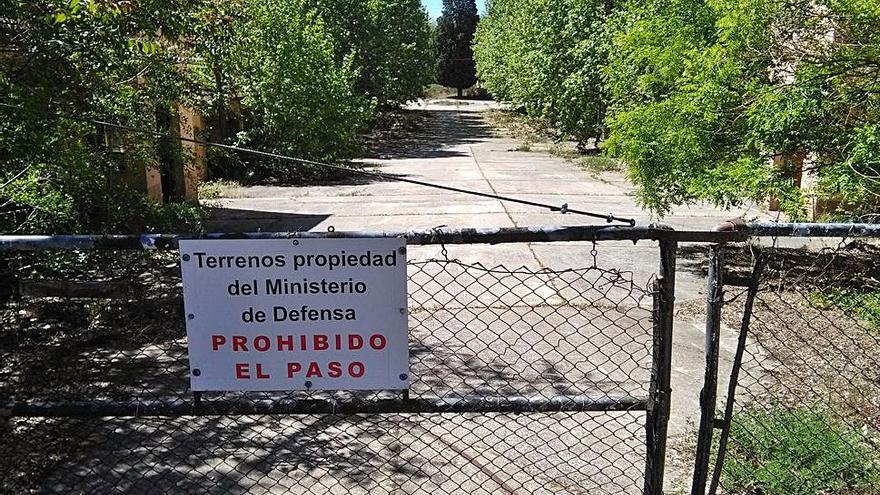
453,236
785,229
413,237
227,406
456,236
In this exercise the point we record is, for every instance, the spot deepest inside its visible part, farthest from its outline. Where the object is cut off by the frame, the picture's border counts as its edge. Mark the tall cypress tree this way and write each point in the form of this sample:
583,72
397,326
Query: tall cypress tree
455,34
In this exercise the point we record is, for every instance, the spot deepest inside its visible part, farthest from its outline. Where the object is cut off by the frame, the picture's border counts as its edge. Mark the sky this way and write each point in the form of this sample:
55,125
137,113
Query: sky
435,6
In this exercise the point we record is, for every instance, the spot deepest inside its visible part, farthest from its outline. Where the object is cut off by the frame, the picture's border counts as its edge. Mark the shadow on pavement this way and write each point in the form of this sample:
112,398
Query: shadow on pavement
232,220
440,132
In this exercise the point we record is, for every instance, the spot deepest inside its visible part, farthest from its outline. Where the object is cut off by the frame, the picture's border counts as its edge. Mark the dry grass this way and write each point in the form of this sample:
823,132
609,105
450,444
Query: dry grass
219,189
537,135
528,130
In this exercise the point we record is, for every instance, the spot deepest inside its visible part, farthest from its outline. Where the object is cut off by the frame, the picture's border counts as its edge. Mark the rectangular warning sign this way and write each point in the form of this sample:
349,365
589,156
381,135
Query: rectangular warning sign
296,314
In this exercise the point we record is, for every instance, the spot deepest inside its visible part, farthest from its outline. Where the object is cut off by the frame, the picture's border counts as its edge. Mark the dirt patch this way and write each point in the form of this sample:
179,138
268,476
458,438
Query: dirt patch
810,350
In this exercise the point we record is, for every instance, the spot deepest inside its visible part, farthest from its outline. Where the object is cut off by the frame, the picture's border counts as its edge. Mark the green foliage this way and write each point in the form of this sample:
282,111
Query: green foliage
698,97
797,452
83,58
386,42
704,93
455,34
296,100
546,56
309,75
151,216
865,306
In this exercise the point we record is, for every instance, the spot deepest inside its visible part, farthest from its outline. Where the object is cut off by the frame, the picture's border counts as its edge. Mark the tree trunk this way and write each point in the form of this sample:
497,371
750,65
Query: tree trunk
460,92
220,102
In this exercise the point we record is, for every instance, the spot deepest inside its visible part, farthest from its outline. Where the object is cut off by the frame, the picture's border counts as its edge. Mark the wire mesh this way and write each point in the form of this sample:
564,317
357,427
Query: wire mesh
807,411
512,337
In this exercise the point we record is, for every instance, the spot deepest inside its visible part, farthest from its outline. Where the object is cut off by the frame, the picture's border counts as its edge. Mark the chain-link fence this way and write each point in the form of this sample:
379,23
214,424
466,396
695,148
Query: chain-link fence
524,380
805,418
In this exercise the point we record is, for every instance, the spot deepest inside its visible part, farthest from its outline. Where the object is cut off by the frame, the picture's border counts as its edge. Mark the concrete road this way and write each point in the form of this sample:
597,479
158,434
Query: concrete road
455,147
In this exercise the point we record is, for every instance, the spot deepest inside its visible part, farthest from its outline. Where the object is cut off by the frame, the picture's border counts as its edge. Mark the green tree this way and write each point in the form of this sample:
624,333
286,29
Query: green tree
296,100
401,50
706,93
547,56
104,60
387,43
455,34
132,63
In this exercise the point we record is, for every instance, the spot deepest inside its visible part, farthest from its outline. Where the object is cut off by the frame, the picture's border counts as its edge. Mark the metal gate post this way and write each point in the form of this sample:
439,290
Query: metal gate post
751,295
714,301
661,390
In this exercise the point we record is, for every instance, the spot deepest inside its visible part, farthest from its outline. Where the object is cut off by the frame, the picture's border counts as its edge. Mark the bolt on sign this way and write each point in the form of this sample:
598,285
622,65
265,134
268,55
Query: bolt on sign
296,314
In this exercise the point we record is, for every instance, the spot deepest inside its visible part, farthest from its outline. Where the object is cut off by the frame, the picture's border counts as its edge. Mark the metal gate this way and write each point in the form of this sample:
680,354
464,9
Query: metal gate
799,413
525,379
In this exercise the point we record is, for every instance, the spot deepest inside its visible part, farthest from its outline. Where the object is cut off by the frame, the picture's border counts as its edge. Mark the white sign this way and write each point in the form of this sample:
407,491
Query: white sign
298,314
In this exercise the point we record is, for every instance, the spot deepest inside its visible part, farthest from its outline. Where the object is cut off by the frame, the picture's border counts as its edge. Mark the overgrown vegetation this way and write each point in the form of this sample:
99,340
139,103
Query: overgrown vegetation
863,305
701,102
388,44
522,127
296,98
697,97
98,59
797,452
300,77
532,131
217,189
